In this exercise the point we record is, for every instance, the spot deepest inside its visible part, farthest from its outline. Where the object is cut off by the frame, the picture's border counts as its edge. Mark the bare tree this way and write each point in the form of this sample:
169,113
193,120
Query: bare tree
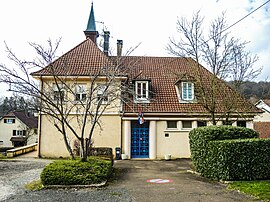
225,57
72,107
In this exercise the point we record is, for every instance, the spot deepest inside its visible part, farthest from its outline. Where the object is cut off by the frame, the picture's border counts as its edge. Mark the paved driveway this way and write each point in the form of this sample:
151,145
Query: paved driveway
139,181
169,181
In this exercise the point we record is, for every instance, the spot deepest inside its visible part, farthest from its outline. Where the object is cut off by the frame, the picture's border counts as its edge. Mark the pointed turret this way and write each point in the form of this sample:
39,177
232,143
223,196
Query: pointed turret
91,31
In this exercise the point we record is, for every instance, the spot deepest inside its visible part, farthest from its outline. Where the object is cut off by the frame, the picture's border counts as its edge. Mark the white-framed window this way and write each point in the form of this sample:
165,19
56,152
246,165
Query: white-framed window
58,92
141,90
102,95
1,142
187,91
171,124
80,94
9,121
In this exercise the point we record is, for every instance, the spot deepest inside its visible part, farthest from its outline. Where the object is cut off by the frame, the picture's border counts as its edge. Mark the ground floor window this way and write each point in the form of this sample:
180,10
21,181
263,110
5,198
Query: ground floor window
241,123
201,123
19,132
171,124
186,124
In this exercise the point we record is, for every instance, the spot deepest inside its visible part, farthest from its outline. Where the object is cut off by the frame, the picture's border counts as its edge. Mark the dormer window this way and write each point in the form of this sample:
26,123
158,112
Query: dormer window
187,91
142,91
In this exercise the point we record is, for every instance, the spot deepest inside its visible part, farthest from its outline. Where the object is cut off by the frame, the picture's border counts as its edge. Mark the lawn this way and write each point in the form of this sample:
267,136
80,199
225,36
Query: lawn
260,189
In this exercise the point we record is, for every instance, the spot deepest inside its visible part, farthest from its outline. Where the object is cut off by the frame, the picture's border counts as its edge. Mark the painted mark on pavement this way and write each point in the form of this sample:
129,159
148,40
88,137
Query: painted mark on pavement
159,181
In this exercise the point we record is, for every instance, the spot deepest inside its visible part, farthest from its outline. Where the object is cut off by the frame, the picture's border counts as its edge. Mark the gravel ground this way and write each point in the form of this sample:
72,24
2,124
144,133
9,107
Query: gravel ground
15,174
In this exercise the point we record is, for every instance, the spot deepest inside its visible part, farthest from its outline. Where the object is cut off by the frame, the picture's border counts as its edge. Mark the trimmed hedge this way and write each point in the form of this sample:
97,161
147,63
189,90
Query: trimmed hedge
246,159
76,172
199,141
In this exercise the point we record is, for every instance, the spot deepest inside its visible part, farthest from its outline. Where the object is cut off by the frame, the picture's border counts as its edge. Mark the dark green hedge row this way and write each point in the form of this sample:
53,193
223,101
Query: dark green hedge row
199,141
76,172
246,159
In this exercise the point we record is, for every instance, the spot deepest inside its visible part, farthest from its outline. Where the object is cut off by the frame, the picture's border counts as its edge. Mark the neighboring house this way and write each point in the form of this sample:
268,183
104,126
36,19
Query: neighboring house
164,101
262,121
18,129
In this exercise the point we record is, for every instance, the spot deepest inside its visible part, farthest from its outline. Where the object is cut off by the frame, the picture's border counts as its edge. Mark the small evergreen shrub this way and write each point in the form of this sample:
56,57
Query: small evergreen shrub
76,172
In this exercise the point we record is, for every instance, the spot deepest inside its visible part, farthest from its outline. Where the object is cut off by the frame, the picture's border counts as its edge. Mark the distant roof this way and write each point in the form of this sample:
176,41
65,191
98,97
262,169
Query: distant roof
263,128
264,105
27,119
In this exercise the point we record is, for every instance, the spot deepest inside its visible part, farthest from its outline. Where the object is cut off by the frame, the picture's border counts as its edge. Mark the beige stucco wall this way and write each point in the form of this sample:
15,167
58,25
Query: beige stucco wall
51,141
177,144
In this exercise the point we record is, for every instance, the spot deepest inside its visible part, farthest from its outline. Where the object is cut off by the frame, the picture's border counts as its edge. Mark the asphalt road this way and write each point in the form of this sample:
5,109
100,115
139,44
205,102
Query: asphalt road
133,181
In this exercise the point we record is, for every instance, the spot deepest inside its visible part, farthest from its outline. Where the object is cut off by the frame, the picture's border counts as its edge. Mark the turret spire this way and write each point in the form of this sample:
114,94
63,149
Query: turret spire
91,31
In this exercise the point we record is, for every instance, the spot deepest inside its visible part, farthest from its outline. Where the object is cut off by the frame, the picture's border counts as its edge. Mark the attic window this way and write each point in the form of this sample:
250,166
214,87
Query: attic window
141,91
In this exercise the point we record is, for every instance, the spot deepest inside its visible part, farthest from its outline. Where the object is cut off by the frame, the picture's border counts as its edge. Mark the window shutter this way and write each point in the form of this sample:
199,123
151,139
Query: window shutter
14,132
13,120
5,121
24,132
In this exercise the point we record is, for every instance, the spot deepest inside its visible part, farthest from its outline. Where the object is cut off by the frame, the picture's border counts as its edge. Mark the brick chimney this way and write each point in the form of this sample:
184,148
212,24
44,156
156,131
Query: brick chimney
106,42
119,47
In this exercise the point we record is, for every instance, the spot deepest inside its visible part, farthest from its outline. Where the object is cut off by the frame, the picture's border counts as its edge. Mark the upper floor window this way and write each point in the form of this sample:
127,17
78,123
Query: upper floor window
80,92
142,90
102,95
9,121
58,92
187,91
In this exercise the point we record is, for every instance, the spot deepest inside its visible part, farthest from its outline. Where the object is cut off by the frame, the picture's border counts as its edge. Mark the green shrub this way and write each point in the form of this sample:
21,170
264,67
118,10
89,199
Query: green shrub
246,159
76,172
200,137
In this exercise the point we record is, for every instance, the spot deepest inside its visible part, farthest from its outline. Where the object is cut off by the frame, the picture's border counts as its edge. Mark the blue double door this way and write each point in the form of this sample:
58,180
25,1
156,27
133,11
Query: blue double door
139,140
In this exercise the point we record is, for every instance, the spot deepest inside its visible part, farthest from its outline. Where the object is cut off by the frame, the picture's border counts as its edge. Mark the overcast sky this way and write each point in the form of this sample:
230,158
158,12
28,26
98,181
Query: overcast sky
149,22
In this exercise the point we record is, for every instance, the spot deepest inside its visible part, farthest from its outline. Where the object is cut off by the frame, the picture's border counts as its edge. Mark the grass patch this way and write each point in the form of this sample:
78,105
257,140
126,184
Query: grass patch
34,186
260,189
75,172
2,156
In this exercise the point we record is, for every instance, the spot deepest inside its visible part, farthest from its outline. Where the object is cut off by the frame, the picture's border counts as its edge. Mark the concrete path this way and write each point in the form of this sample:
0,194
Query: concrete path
169,181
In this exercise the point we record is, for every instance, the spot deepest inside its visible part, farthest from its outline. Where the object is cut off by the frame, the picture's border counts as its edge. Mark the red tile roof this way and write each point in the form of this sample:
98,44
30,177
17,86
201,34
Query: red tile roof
164,73
86,59
83,60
